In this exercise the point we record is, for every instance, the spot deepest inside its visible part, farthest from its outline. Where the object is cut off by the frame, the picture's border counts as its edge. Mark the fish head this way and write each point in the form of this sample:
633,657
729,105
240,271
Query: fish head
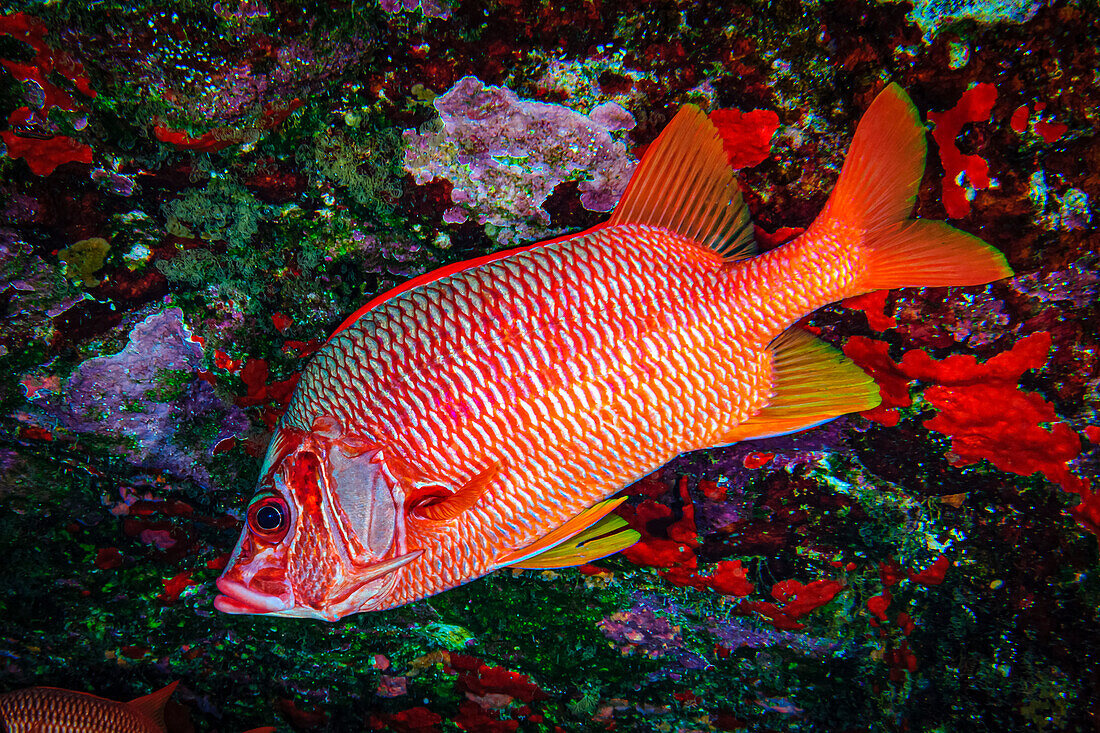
324,534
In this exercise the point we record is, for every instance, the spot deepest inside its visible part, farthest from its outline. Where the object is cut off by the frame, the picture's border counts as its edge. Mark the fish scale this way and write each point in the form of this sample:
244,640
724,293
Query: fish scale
565,351
50,710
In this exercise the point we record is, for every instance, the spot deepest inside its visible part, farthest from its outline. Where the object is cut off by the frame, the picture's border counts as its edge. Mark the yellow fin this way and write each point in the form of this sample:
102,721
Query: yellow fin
812,383
153,704
684,184
588,536
606,537
440,508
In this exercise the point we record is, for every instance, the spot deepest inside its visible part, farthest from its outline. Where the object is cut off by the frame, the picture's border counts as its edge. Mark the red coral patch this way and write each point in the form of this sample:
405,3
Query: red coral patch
43,156
878,605
174,586
873,305
983,410
746,136
729,578
1019,119
975,105
934,573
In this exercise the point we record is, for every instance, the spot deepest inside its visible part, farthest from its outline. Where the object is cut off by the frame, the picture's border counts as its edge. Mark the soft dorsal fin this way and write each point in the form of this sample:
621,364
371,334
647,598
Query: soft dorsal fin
152,705
684,183
812,383
436,506
586,520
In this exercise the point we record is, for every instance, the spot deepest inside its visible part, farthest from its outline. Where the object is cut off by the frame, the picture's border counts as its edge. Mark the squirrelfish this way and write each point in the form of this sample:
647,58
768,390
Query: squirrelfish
53,710
482,415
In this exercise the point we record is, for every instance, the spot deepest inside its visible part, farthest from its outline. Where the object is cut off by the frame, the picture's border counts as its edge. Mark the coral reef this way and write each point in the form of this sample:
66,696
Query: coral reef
192,196
150,395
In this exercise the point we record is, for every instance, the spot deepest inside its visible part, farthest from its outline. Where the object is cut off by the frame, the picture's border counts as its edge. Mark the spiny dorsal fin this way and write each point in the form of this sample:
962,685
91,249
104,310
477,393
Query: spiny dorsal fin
152,705
578,530
812,383
684,183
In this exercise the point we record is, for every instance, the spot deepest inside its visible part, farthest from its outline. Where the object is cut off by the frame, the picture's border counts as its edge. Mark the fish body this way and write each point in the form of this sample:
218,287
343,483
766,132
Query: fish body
481,416
53,710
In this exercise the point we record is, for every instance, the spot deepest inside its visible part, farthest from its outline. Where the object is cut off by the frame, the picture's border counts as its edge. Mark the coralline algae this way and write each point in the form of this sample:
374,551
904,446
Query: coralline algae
147,394
505,155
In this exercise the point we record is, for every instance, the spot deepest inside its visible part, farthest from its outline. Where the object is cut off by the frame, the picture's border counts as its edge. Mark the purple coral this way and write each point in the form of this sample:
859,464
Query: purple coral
734,633
505,155
147,393
40,292
1076,285
641,630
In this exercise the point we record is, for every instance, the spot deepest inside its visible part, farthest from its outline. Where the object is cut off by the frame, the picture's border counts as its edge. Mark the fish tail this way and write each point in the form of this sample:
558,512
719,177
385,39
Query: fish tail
875,195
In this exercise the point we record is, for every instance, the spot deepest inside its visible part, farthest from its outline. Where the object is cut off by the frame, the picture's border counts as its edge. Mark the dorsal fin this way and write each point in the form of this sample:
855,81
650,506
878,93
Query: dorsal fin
684,183
152,705
812,383
589,519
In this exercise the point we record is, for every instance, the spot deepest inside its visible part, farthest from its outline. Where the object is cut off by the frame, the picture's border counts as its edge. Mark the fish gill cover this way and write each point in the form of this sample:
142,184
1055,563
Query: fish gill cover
193,195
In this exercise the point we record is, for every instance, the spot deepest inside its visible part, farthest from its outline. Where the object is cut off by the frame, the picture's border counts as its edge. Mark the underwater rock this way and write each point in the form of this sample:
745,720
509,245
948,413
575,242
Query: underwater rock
150,395
932,15
32,291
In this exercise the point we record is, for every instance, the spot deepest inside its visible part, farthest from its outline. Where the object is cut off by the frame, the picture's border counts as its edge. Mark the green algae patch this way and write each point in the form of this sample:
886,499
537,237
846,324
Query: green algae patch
83,259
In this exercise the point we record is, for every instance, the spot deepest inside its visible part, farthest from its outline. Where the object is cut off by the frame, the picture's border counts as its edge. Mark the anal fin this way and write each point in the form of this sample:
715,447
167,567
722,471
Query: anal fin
590,535
812,384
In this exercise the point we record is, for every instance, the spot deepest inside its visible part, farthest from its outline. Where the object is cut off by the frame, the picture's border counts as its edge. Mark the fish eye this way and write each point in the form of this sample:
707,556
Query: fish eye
268,516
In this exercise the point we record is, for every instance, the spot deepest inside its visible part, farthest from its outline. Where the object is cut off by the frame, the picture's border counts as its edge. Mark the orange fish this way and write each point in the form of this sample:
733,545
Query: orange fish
52,710
480,416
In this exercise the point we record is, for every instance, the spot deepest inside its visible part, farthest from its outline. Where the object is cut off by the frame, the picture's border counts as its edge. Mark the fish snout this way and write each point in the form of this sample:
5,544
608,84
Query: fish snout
236,597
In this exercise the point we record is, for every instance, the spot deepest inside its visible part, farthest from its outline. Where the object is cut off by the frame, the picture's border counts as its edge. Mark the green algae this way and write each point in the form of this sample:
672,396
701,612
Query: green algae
82,259
222,210
365,164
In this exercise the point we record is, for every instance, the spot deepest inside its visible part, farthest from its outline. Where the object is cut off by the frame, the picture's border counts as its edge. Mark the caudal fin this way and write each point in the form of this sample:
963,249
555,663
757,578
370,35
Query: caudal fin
875,194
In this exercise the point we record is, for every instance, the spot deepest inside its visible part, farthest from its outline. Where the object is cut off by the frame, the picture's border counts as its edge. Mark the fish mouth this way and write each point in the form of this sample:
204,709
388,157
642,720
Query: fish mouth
237,598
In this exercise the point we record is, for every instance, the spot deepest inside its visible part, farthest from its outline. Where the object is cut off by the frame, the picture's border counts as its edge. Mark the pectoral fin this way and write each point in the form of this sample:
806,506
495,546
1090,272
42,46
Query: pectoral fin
590,535
436,503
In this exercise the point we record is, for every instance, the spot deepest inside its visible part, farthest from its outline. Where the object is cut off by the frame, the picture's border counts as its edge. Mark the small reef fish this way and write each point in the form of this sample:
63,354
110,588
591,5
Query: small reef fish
480,416
53,710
